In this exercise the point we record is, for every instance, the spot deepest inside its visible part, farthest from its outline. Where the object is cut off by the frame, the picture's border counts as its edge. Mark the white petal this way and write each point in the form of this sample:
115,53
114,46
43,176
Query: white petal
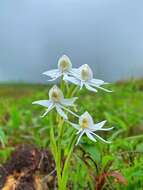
98,126
74,125
74,70
61,112
72,80
80,137
97,82
69,102
79,131
44,103
106,129
90,88
90,136
75,73
104,89
51,106
100,138
69,111
51,73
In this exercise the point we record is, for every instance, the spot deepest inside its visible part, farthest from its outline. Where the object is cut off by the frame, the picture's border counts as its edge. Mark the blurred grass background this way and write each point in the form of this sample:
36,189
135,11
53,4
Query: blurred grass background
20,122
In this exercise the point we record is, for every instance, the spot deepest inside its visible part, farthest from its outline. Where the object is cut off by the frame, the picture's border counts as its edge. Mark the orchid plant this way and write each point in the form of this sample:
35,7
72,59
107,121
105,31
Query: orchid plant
80,77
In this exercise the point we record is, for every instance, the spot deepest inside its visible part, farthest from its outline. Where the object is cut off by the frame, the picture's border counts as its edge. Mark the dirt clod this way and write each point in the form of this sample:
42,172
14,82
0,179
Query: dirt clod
26,169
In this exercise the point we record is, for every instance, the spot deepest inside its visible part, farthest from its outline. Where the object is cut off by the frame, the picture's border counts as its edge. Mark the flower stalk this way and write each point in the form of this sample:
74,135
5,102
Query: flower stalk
81,77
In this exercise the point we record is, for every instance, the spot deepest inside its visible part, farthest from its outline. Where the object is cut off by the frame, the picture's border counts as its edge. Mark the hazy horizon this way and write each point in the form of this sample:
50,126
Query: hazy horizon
107,35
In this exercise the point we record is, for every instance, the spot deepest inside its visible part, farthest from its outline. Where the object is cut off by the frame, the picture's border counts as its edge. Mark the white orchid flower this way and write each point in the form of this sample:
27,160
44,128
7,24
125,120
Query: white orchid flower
57,100
83,76
64,69
87,126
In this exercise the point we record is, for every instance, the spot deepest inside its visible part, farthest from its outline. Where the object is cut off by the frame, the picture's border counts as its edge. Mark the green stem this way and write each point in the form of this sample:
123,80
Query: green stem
74,91
66,164
56,146
56,156
134,137
59,152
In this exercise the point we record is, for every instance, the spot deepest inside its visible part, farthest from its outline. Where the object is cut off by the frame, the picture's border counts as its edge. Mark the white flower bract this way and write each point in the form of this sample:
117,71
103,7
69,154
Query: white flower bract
64,69
83,76
87,126
57,101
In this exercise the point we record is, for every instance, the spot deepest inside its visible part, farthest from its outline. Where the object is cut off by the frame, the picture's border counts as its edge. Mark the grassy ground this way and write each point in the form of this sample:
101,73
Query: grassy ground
121,162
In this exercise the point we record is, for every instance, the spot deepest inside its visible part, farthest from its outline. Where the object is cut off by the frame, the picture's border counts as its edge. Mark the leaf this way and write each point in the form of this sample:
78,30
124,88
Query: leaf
3,138
106,159
93,151
15,118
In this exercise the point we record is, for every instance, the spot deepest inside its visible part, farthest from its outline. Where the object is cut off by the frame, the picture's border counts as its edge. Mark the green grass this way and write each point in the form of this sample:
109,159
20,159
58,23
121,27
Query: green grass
20,122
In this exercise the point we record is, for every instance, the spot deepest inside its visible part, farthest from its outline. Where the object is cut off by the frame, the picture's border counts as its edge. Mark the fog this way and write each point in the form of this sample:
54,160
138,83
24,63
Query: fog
106,34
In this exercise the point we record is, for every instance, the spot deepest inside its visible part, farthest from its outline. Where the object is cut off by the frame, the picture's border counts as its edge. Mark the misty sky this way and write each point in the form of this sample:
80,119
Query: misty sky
106,34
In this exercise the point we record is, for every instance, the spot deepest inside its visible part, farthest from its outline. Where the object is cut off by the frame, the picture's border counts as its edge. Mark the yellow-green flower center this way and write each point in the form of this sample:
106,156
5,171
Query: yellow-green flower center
55,94
84,123
64,66
86,73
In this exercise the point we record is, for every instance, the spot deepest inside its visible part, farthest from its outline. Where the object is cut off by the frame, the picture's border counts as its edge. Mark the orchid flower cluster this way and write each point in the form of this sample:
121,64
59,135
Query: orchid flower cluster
82,77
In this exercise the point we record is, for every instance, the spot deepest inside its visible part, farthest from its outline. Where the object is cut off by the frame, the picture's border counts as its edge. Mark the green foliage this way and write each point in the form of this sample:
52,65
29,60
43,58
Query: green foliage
3,138
123,109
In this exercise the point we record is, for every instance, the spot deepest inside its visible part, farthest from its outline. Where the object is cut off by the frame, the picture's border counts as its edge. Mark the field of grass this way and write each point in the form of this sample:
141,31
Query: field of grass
118,165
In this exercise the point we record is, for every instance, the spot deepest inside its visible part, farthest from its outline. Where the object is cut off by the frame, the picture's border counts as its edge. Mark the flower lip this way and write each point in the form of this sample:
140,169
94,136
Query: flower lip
55,94
86,72
64,63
